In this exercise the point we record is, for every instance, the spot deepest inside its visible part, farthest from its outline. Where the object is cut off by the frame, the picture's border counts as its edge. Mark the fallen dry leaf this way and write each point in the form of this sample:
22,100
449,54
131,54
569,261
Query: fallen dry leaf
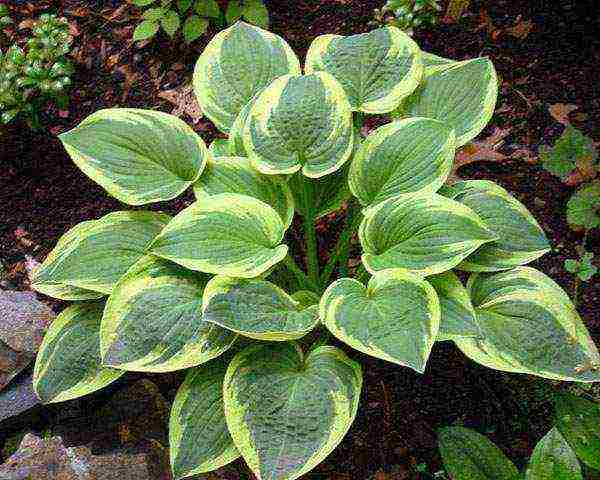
185,102
521,29
560,112
481,151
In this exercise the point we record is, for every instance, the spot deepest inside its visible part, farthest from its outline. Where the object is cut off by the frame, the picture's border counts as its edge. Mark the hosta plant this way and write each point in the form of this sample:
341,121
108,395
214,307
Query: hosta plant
216,290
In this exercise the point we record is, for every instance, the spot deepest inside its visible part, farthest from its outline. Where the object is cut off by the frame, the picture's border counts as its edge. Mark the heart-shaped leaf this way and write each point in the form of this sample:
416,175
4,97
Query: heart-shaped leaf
226,234
300,122
433,60
238,63
377,69
236,134
426,234
95,254
468,455
395,318
462,95
458,315
553,459
198,437
578,419
407,156
236,175
520,238
530,325
137,156
287,412
153,320
68,363
256,309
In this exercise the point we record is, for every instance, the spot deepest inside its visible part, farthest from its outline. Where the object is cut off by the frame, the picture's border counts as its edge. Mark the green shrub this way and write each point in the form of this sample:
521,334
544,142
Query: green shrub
216,290
194,16
409,15
31,76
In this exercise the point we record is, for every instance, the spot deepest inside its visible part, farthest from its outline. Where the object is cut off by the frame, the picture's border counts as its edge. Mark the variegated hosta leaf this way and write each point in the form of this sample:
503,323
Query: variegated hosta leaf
468,455
236,134
287,412
300,122
327,193
236,64
137,156
68,363
227,234
153,320
553,459
407,156
578,419
198,437
462,95
529,325
256,309
426,234
95,254
377,69
433,60
458,315
235,175
395,318
520,238
219,148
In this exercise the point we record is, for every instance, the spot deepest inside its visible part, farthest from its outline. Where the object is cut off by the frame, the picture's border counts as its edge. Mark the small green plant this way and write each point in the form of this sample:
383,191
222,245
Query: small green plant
36,74
5,18
574,159
468,455
408,15
215,289
194,16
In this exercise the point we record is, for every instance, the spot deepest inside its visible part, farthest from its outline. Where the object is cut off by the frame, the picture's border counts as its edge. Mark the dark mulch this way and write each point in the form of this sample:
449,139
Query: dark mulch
42,194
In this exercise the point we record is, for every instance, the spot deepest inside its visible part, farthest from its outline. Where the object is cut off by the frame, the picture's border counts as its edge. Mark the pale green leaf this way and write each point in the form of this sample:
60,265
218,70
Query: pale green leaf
154,14
228,234
520,238
583,208
207,8
395,318
193,27
300,122
468,455
529,325
462,95
145,30
143,3
458,315
95,254
406,156
577,419
219,148
553,459
68,362
153,320
236,134
198,437
256,13
287,412
237,64
377,69
137,156
257,309
433,60
170,22
235,175
424,234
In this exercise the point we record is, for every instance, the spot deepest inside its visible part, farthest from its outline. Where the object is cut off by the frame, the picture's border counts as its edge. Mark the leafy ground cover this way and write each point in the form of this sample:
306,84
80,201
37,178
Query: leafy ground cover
546,55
